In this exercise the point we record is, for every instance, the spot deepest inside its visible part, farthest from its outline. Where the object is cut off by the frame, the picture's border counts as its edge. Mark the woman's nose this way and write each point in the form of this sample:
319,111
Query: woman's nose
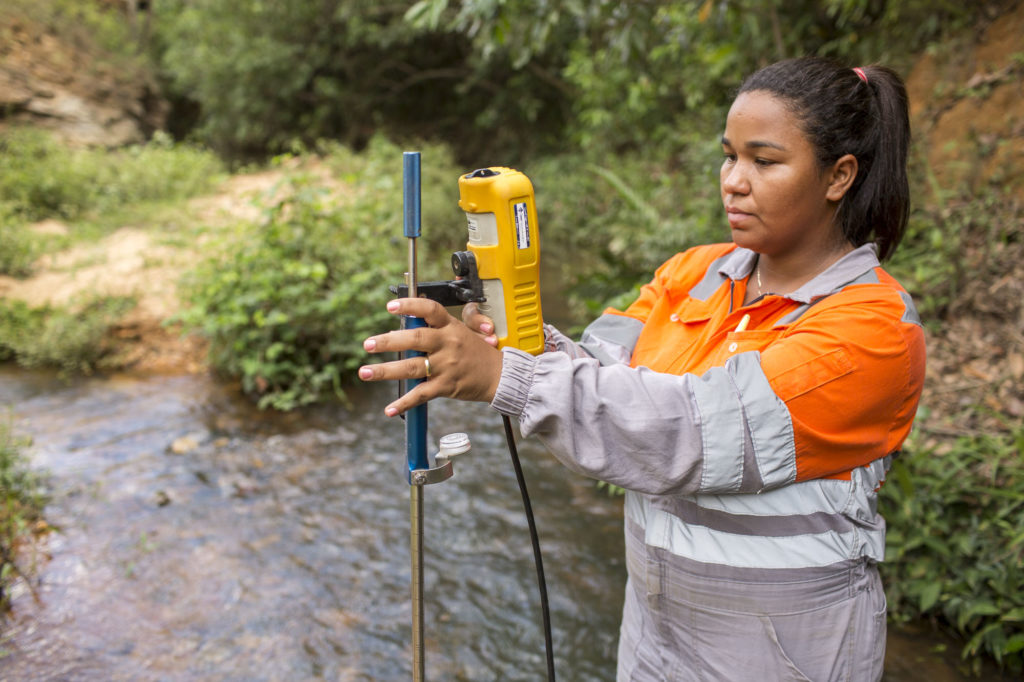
734,179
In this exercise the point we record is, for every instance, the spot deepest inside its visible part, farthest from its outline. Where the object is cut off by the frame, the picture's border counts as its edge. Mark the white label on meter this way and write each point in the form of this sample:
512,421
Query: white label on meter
483,229
522,225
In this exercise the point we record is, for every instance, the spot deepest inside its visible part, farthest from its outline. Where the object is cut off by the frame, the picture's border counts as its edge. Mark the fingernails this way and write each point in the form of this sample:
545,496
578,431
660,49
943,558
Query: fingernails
370,344
390,411
486,327
392,306
365,373
492,339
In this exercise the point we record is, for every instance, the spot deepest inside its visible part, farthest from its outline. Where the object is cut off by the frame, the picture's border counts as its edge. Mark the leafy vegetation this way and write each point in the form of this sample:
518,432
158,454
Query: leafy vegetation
499,79
955,541
18,247
73,340
286,302
21,503
42,178
264,75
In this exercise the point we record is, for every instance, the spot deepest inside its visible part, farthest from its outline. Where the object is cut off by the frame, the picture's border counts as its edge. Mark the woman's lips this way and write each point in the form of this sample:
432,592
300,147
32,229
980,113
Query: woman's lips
737,218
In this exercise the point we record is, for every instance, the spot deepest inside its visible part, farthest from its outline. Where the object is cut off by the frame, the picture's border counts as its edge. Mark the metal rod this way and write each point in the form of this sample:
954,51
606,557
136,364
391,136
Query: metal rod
412,276
416,418
416,549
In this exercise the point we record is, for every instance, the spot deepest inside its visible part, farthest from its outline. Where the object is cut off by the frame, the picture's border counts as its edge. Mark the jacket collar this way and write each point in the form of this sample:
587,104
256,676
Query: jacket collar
740,263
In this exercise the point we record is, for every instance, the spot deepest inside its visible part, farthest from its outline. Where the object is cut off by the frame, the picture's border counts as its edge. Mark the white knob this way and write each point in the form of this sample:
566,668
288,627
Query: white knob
454,444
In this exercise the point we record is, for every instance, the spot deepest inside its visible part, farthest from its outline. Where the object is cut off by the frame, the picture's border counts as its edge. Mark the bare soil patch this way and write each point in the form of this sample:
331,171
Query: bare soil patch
140,263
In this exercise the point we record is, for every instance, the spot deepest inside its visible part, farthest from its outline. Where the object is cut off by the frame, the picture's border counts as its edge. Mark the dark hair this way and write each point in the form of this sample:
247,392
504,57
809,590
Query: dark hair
852,111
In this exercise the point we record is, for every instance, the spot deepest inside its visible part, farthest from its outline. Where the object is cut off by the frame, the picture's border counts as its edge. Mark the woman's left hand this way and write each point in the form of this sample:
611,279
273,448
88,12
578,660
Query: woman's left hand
461,363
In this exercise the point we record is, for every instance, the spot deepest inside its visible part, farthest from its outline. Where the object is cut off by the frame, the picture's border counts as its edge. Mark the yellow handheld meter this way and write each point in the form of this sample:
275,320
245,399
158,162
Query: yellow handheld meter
503,238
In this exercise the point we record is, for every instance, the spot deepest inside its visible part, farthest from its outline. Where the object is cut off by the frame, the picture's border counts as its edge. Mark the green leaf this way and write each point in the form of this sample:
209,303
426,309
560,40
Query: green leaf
1014,614
929,596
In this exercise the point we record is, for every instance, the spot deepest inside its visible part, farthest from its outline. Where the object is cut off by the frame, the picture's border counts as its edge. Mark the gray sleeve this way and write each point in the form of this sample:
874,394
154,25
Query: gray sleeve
556,341
723,432
609,338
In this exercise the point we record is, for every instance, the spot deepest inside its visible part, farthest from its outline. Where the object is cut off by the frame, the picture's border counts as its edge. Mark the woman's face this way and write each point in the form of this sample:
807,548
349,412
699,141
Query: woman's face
774,193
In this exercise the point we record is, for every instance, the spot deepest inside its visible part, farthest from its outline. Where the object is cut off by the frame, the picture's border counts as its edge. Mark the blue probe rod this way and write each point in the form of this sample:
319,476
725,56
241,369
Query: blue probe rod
416,418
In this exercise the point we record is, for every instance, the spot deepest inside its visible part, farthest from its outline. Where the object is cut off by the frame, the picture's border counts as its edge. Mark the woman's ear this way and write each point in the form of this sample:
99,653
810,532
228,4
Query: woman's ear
841,177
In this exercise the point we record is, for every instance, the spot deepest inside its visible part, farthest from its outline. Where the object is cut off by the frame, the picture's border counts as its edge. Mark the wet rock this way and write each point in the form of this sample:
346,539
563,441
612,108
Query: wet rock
183,445
187,443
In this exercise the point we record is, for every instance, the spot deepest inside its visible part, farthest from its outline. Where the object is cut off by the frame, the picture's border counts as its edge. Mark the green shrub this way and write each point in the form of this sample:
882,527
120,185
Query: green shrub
286,303
21,504
282,306
42,178
72,340
18,248
955,544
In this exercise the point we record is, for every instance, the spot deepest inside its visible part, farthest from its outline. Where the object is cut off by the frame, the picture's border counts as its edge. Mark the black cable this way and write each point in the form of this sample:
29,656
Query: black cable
535,540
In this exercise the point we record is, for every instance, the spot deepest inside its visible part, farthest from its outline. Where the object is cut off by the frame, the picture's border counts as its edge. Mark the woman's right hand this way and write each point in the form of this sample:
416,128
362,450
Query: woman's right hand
479,323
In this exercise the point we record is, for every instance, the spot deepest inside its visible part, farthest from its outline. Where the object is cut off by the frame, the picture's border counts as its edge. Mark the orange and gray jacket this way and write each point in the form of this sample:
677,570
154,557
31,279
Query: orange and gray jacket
740,450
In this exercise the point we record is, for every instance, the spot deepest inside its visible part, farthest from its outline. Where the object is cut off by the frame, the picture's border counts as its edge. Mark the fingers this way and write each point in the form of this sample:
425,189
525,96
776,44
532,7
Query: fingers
408,368
419,338
463,363
480,323
411,399
431,311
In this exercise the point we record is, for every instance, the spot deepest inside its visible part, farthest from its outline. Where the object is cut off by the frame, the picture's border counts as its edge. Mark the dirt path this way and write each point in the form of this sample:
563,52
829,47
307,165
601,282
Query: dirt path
141,262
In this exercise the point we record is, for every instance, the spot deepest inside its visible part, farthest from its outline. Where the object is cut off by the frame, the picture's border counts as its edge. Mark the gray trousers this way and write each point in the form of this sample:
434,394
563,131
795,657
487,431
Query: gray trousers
821,627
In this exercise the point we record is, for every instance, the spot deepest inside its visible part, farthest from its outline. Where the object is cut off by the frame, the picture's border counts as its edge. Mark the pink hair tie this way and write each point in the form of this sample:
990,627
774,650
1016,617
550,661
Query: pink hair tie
860,72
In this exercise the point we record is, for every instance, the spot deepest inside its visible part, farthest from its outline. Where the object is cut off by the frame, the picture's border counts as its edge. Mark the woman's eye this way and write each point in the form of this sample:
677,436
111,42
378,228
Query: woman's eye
763,162
730,157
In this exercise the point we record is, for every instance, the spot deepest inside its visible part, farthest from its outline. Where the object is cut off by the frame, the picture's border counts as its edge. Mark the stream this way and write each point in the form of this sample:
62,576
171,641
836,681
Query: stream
201,539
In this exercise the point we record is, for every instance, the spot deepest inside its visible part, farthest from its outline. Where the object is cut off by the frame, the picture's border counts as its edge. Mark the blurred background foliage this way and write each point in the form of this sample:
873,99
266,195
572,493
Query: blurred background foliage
502,79
614,108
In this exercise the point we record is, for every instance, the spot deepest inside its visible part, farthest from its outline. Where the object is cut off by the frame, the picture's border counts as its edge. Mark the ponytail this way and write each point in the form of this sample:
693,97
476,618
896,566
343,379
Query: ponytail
860,111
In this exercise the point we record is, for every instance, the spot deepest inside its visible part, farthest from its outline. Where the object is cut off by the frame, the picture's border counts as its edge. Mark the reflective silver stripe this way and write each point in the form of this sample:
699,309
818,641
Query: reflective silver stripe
767,418
731,402
708,545
806,497
910,310
863,505
721,422
711,281
639,563
611,338
751,551
691,512
636,506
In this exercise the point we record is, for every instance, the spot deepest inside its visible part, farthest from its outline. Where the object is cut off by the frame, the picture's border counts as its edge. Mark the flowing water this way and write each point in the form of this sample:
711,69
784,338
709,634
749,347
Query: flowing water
201,539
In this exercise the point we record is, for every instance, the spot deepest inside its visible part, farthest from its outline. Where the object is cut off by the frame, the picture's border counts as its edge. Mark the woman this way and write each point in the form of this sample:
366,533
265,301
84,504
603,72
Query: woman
750,400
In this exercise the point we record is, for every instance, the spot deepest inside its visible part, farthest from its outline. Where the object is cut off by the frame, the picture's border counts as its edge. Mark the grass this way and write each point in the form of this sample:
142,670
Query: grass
21,504
94,191
74,341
